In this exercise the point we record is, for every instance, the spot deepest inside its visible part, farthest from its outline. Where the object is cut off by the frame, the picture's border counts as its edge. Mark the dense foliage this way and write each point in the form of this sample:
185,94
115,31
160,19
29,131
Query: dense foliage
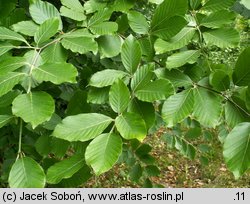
82,84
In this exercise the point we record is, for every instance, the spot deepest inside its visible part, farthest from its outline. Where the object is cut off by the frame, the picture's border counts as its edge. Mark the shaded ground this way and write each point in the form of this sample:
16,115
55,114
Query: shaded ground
176,171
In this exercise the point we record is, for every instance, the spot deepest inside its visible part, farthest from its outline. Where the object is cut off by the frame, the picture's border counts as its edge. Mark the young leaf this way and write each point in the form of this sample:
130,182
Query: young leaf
9,80
26,173
46,30
80,44
34,108
6,34
131,126
178,107
138,22
119,96
65,169
180,59
222,37
106,77
41,11
241,75
156,90
207,107
82,127
103,152
131,54
28,28
236,149
57,73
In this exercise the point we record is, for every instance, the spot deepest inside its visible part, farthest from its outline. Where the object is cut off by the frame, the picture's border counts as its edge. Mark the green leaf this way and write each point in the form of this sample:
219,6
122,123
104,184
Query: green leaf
168,9
178,107
7,99
54,53
131,126
28,28
78,103
72,14
156,90
119,96
177,78
180,59
106,77
92,5
235,113
34,108
26,173
104,28
73,4
167,19
77,179
194,4
178,41
82,127
46,30
241,75
138,22
207,107
65,169
6,34
222,37
170,28
80,44
98,95
109,45
5,47
103,152
100,16
9,80
219,80
56,73
5,119
152,170
131,54
214,5
136,172
236,149
142,76
123,5
43,146
218,19
11,64
145,110
41,11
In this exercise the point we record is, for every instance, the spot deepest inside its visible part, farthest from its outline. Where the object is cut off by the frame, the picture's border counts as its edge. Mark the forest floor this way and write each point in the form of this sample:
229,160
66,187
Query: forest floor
176,171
